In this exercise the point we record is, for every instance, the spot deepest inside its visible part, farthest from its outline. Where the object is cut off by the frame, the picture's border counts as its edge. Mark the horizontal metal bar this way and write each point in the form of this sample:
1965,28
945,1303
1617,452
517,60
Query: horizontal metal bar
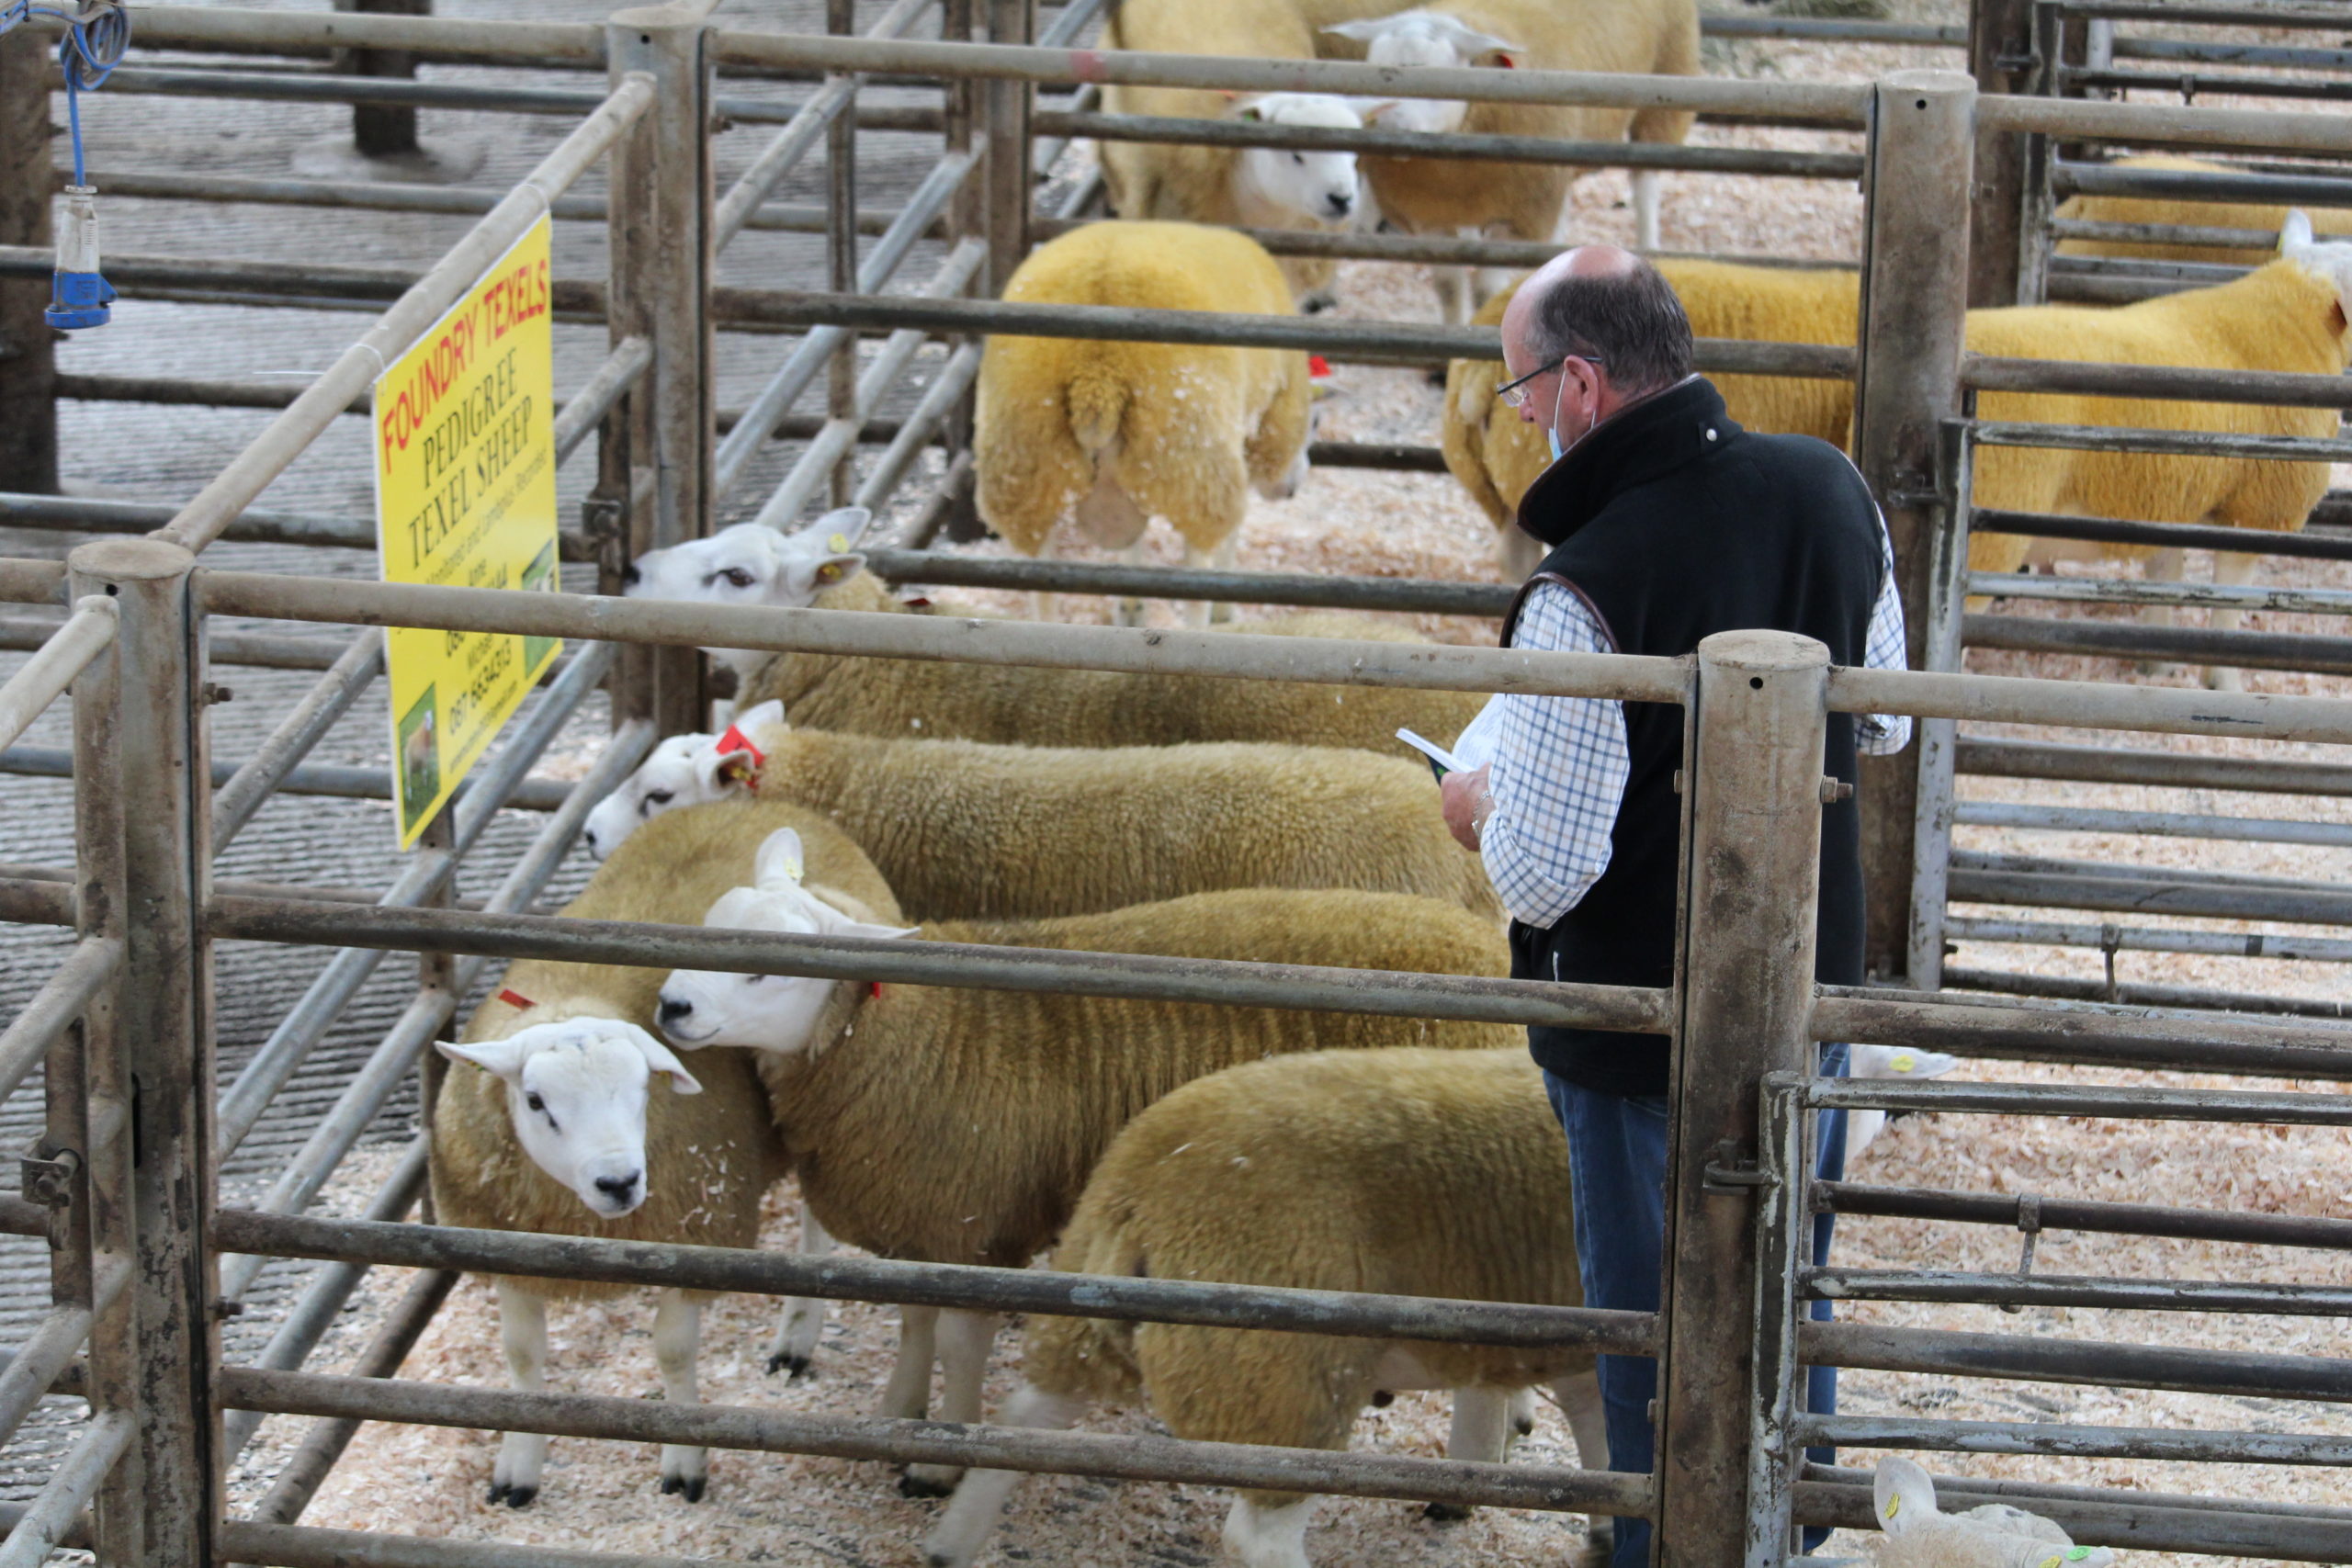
302,728
1834,29
2133,896
586,408
2164,535
945,390
2080,1442
37,903
905,962
2239,13
2201,185
267,32
946,568
2276,389
751,1271
1992,1489
2178,442
250,472
312,778
42,679
2208,52
1552,1487
1006,63
2168,770
1422,666
2086,1033
2132,992
2008,1210
327,87
2189,83
2119,590
2072,1291
1449,144
304,1546
2150,938
2162,234
2168,875
31,582
2162,824
54,1009
44,1524
26,1377
1873,1348
2133,1519
2006,699
2170,124
2318,654
2267,1107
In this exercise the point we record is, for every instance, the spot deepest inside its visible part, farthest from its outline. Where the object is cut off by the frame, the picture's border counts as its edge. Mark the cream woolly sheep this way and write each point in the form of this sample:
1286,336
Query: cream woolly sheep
1415,1173
2198,214
1993,1535
565,1040
961,828
1115,434
1251,187
958,1126
751,563
1496,455
2287,315
1521,201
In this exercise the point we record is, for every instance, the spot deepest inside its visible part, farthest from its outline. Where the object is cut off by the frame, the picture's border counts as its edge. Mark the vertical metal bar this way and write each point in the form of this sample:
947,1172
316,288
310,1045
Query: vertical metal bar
1783,1220
1937,740
79,1475
2000,52
967,218
2039,203
841,252
1006,106
437,972
1752,877
382,131
162,1018
660,239
27,358
1914,294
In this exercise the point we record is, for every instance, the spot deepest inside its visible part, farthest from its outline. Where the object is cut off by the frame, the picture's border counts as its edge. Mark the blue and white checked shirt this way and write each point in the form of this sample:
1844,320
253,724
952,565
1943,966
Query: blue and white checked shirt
1560,763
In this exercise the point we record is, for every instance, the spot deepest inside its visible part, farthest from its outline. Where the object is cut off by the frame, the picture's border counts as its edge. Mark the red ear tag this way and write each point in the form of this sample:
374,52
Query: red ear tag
1507,62
516,999
1317,367
874,990
735,740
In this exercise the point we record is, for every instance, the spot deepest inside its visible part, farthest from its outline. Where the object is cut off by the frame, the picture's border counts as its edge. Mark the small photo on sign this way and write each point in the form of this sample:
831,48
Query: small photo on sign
420,759
538,578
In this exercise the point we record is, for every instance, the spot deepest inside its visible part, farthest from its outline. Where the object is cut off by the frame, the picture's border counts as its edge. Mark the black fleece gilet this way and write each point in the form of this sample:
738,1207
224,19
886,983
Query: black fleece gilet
1672,523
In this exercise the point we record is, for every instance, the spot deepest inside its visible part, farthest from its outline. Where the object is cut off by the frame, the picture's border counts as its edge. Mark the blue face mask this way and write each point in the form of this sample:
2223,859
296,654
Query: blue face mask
1552,439
1552,431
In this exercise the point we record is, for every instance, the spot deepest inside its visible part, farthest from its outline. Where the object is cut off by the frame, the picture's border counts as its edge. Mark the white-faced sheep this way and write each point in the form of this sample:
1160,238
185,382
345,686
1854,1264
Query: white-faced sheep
1918,1534
550,1122
2287,315
1520,201
1496,455
2182,212
1251,187
1863,1127
960,828
754,565
1415,1173
1110,434
958,1126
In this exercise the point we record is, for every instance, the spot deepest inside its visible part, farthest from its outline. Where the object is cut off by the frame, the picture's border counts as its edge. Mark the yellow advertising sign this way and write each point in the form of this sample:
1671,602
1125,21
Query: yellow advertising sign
465,497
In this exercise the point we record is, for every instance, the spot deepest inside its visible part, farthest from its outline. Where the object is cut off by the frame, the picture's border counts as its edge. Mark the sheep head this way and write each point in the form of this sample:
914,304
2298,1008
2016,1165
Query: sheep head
1426,38
576,1091
1920,1535
1320,185
764,1012
754,564
684,770
2328,259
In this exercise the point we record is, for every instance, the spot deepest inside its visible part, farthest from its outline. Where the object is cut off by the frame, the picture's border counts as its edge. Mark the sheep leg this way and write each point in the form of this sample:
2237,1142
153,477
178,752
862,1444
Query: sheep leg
2231,570
2164,566
971,1515
523,1334
804,1317
1128,612
1452,294
1646,209
1259,1537
1579,1398
677,1336
907,1394
964,1340
1522,1419
1219,559
1481,1433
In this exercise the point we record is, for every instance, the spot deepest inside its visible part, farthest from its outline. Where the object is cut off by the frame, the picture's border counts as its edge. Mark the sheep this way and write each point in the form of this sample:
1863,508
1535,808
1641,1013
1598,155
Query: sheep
1522,201
1918,1534
1263,188
1412,1172
957,1126
1863,1127
2286,315
755,564
962,828
1118,432
2200,214
1495,455
563,1046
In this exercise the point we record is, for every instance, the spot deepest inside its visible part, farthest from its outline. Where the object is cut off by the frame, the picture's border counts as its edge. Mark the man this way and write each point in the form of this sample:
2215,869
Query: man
1667,524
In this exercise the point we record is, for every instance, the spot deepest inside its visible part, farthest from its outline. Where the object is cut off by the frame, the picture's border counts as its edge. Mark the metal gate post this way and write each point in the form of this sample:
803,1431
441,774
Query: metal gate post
841,252
661,248
163,1034
1752,876
27,358
1785,1229
1006,106
2000,57
1937,740
1907,383
966,216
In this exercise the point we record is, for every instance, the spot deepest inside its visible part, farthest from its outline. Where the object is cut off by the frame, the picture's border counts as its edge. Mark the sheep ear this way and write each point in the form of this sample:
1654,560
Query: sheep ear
2295,233
768,714
1469,42
733,769
780,860
836,569
500,1059
1371,109
1366,29
841,528
1903,1496
660,1058
868,928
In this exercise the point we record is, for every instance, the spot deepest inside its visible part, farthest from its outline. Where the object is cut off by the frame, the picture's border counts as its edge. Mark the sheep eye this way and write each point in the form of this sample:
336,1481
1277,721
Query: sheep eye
1298,157
753,979
535,1102
737,577
657,797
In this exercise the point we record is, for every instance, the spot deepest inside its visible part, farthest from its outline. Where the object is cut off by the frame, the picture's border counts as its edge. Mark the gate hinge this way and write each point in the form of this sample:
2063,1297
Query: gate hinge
49,1181
1731,1174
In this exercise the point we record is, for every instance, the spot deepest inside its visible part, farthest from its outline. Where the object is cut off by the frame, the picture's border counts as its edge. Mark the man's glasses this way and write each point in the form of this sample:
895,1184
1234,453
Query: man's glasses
1514,393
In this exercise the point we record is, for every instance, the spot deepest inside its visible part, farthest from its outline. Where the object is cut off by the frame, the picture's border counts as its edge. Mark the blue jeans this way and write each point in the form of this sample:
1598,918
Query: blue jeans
1617,1157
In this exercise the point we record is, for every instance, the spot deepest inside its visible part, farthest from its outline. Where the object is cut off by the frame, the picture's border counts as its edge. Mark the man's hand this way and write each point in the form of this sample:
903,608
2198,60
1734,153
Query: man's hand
1467,801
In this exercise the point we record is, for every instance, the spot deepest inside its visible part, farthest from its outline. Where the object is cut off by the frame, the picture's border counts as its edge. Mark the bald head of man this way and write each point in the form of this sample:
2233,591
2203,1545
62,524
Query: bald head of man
1592,331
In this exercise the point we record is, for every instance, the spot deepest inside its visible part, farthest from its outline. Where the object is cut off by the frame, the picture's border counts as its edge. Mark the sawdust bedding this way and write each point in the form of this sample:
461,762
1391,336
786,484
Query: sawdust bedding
799,1510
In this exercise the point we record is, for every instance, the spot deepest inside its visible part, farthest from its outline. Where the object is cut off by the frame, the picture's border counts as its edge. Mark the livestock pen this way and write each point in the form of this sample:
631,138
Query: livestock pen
123,1186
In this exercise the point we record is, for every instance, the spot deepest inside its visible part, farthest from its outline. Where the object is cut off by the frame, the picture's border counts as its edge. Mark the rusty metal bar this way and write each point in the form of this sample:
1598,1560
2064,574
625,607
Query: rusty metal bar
2007,1209
2073,1290
269,32
2229,1526
2163,535
2006,699
2162,824
2120,591
2085,1033
2180,443
2177,996
2080,1442
2265,1107
31,582
586,408
2135,896
1873,1348
43,677
304,726
1311,589
2281,389
2318,654
2201,185
920,428
2166,770
41,1528
310,778
53,1009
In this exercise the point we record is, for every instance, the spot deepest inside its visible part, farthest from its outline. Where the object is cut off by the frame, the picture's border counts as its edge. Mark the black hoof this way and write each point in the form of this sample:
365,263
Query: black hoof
1445,1513
794,1367
520,1496
497,1492
679,1485
913,1487
1382,1399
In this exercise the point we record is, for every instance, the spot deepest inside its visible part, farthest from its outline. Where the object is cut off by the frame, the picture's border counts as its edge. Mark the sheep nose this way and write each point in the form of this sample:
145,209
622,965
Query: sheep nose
630,577
673,1012
620,1188
1342,201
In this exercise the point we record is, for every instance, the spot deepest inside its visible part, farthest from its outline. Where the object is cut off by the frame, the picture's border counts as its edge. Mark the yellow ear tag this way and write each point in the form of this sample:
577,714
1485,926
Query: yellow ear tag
793,870
1895,1504
2076,1553
1905,1063
838,543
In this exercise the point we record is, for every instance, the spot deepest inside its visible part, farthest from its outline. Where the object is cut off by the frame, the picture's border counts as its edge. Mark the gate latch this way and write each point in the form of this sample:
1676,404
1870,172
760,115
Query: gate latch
1731,1174
50,1181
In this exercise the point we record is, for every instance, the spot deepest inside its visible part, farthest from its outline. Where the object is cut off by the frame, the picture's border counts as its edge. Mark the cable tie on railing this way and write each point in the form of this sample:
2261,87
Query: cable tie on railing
514,999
